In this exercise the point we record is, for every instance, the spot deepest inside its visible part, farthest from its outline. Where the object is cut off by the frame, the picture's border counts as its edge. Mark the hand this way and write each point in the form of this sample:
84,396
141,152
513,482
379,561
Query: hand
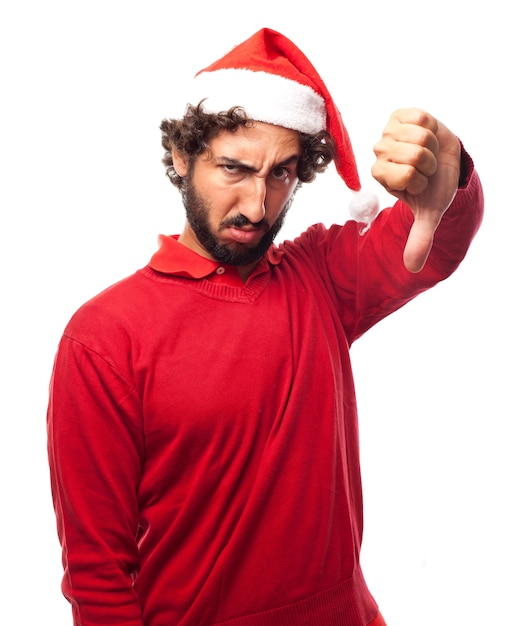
418,162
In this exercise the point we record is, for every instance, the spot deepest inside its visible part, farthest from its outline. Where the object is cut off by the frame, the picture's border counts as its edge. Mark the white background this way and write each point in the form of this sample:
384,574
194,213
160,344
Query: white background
84,86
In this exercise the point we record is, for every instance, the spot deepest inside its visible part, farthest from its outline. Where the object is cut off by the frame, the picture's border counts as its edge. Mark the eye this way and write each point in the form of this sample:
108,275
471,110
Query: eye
230,169
232,173
280,173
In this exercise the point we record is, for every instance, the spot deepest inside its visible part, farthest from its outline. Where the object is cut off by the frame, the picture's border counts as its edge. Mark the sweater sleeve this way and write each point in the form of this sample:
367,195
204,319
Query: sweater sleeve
95,450
366,270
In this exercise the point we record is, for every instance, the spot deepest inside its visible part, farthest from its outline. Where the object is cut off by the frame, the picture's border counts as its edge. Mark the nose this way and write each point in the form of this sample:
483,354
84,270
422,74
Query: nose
251,205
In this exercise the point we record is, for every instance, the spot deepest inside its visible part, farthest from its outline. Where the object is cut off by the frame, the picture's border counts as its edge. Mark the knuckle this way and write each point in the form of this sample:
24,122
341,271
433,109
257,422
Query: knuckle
415,182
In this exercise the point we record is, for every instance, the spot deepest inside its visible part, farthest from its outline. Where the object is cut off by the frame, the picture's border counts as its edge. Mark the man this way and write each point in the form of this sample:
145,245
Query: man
202,422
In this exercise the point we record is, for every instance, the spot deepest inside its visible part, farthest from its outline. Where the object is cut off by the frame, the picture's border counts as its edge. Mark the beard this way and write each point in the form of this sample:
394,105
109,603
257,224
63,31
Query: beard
197,214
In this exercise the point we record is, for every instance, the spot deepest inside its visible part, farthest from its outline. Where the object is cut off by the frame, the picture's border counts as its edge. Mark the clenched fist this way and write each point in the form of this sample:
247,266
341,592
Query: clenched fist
418,162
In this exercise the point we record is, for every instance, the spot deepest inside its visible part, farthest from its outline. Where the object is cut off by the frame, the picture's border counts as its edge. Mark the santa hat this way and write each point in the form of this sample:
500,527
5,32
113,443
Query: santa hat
271,78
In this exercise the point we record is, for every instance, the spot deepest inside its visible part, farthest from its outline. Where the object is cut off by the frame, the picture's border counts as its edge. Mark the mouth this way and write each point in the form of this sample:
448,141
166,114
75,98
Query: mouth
246,235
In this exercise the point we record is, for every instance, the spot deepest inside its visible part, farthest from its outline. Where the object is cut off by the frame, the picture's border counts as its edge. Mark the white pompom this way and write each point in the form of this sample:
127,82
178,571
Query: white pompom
364,207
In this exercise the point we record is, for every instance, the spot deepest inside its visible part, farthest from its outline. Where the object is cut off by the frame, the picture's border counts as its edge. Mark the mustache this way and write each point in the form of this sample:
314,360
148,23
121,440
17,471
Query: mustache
239,221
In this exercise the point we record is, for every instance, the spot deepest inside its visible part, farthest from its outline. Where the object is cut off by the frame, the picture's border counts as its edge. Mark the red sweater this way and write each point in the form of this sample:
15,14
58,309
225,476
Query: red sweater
203,432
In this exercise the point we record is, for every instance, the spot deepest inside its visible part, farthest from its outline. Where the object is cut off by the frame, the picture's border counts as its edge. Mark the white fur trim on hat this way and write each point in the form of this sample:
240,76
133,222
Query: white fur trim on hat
265,97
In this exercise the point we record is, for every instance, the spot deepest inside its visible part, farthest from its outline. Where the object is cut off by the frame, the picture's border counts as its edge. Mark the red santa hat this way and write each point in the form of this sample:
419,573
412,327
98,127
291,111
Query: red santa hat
271,78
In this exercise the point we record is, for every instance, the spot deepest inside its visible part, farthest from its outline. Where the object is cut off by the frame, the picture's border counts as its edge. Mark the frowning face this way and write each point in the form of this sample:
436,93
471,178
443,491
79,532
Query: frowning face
237,193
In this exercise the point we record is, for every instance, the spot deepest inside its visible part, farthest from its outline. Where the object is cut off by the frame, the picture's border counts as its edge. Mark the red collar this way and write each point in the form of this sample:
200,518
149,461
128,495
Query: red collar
172,257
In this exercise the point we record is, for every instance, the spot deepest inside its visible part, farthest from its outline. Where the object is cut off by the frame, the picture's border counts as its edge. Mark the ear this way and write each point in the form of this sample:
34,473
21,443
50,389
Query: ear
180,162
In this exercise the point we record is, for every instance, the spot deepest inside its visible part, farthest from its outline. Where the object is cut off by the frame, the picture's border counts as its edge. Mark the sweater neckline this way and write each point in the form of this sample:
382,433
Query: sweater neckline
175,259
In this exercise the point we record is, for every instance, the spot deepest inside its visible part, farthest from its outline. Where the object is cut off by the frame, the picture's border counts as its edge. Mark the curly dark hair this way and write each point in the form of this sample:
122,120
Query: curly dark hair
191,137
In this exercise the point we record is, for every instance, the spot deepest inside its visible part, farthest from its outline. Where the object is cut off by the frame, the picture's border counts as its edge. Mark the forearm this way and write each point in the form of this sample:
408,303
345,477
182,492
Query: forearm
369,270
95,457
462,220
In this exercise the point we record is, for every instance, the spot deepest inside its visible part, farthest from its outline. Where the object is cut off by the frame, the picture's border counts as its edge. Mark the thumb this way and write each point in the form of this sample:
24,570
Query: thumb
419,244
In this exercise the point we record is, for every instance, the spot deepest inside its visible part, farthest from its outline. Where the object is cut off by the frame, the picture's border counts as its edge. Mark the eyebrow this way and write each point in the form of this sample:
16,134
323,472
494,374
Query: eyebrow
222,160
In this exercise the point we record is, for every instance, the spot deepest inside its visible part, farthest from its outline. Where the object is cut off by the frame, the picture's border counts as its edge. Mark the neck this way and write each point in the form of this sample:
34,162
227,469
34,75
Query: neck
246,270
